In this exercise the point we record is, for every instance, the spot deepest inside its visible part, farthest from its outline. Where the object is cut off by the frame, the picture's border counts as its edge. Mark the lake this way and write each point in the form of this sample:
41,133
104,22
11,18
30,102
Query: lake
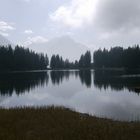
107,94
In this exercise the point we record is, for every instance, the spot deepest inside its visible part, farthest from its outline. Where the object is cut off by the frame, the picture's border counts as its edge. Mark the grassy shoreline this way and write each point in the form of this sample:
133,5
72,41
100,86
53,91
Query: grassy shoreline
58,123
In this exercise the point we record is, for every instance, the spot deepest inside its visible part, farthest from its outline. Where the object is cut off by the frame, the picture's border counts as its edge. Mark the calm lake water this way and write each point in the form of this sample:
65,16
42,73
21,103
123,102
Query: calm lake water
101,93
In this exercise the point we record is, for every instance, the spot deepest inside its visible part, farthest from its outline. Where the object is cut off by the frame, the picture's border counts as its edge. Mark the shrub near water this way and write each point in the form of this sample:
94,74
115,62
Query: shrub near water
62,124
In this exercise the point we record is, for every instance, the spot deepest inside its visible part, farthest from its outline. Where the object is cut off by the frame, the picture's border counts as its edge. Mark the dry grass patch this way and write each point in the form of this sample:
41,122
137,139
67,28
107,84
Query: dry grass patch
58,123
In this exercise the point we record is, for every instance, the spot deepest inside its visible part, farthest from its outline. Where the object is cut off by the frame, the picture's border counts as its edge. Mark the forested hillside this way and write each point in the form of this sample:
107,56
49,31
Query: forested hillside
20,58
118,57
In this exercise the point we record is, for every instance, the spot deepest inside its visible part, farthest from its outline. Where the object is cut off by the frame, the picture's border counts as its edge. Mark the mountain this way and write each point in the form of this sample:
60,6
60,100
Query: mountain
65,46
4,41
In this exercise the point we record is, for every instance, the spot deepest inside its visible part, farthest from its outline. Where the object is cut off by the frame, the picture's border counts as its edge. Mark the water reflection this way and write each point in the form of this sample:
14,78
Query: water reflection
85,77
57,77
21,82
117,81
102,93
24,82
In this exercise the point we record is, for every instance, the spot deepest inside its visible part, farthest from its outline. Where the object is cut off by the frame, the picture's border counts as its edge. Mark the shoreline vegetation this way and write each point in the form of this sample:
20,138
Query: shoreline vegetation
129,70
24,59
59,123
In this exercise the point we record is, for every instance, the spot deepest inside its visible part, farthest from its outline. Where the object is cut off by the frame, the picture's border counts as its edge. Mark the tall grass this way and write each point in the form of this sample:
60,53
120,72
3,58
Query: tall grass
58,123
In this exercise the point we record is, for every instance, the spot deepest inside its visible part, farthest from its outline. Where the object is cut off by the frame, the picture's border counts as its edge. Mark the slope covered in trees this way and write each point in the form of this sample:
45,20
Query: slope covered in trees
57,62
117,57
20,58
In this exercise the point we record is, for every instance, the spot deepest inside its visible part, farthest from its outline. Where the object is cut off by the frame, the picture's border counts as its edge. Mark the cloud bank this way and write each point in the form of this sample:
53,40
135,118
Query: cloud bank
107,21
35,39
92,22
5,27
75,14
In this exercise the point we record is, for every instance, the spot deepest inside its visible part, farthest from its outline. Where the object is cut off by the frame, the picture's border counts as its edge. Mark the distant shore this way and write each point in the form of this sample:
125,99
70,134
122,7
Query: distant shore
58,123
96,69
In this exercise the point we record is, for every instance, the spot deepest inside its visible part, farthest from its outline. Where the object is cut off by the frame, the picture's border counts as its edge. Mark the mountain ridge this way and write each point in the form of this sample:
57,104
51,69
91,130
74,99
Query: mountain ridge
65,46
4,41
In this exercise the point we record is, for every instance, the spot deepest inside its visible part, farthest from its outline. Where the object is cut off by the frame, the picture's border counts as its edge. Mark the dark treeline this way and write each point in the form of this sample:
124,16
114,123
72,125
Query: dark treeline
117,57
20,58
57,62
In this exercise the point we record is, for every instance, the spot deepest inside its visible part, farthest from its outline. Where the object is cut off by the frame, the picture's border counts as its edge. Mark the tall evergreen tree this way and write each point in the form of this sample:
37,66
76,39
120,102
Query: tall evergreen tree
20,58
85,60
118,57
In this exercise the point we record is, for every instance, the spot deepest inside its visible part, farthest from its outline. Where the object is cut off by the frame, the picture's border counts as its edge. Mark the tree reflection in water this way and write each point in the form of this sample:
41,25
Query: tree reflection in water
26,81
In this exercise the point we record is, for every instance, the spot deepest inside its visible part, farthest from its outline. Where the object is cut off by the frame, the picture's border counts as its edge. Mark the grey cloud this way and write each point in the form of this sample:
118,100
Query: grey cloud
114,22
118,14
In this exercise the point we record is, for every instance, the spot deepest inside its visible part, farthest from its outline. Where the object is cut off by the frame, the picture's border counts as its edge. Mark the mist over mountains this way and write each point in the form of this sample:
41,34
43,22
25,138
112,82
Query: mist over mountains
65,46
4,41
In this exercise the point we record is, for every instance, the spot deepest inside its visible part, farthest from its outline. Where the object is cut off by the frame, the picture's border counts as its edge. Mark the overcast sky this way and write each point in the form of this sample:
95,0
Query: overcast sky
96,23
